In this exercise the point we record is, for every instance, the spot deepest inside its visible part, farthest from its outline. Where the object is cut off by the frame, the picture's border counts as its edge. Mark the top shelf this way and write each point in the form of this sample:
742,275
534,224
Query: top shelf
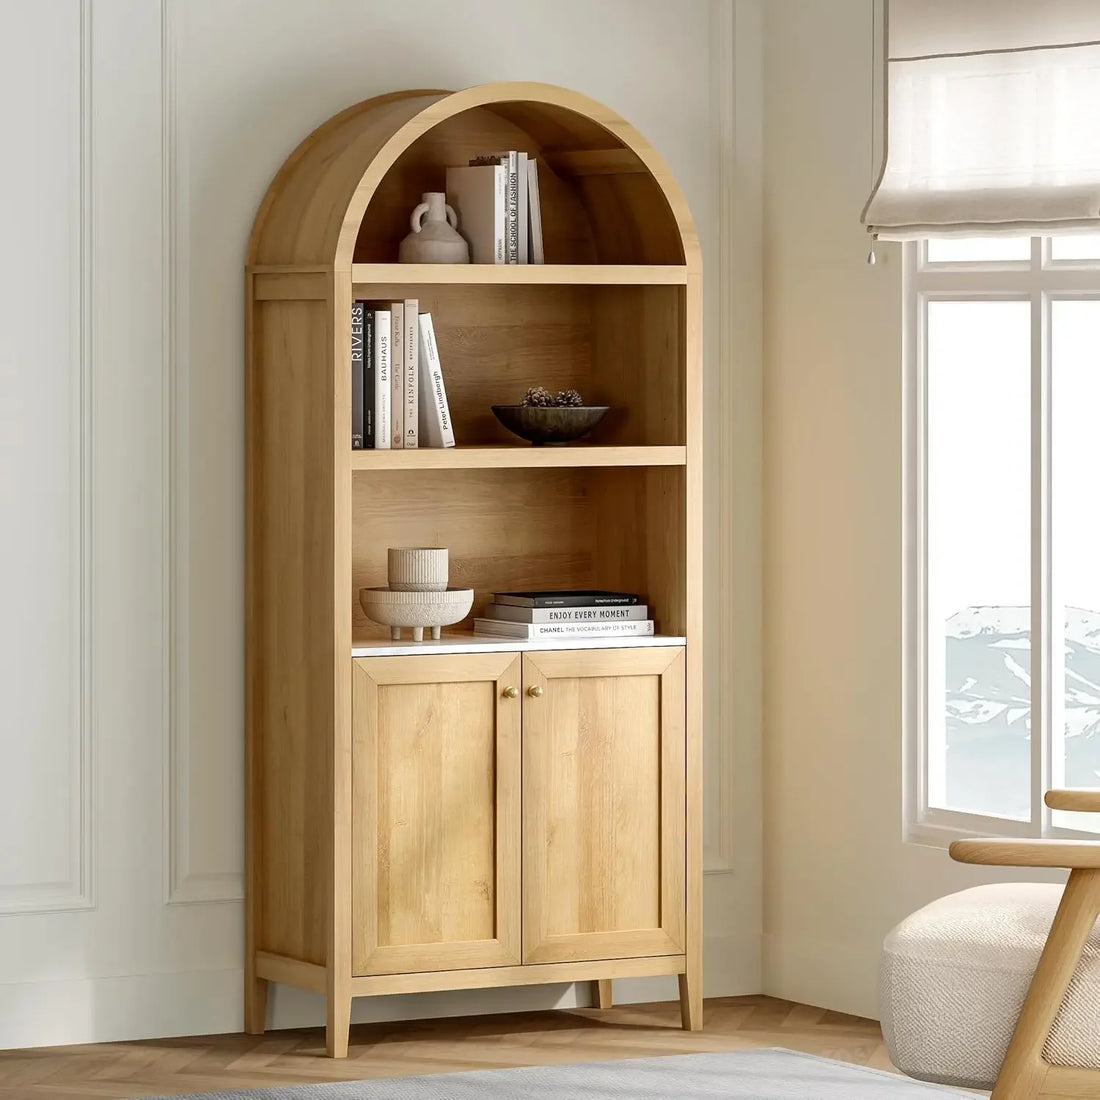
521,274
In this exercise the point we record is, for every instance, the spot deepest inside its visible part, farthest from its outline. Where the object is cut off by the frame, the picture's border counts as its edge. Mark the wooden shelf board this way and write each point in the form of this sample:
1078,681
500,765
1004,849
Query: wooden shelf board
515,457
497,274
465,641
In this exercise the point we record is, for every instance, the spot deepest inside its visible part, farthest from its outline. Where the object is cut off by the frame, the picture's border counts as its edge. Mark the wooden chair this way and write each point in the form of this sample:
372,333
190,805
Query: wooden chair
1025,1073
956,973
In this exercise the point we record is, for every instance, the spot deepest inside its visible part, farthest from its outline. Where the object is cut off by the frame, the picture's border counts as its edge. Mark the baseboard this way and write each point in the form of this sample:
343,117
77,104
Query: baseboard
840,977
104,1010
150,1006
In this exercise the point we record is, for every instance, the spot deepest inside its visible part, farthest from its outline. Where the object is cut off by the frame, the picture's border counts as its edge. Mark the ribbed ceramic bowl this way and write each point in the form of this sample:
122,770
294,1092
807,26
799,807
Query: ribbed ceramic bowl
553,425
391,608
417,568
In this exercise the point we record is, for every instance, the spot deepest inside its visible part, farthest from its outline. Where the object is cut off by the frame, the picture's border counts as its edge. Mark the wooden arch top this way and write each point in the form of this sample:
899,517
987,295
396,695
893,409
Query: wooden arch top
345,194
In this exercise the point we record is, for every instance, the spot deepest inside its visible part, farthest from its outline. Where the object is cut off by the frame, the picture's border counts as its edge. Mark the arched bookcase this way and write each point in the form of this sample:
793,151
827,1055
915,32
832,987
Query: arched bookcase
344,896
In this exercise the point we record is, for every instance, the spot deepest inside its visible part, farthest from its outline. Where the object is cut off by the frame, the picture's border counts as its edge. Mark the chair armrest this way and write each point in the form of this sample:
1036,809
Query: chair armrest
1083,854
1085,800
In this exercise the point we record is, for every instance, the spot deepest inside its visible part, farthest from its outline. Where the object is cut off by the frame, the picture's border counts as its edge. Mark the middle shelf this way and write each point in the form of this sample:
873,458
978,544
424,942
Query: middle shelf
516,457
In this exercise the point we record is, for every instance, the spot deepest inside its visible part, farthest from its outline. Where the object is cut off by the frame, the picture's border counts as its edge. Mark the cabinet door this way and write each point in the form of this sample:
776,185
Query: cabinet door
603,804
435,817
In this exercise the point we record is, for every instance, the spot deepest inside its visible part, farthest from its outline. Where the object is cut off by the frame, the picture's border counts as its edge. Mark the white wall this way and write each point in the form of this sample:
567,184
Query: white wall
142,136
838,875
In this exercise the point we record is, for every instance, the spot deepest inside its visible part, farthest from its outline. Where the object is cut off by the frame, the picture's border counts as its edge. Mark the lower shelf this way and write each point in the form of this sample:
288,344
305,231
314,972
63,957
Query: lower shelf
468,642
277,968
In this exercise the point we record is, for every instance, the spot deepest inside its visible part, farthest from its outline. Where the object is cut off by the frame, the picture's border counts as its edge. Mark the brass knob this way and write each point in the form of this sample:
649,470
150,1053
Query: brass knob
534,691
511,692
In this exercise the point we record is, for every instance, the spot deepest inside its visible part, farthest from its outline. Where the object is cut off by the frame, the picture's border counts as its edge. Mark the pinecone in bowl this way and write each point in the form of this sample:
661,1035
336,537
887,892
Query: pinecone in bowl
538,398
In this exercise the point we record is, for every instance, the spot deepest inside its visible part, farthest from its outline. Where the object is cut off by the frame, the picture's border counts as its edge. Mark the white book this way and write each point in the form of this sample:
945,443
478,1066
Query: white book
640,628
513,206
534,213
479,195
397,375
524,233
382,365
412,381
513,614
436,429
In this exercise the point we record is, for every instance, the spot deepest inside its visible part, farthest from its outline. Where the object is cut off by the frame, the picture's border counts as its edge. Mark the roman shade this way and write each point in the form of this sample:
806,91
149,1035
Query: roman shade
992,119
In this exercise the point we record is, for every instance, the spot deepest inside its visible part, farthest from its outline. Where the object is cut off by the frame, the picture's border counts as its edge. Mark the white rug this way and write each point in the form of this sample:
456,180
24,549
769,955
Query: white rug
736,1075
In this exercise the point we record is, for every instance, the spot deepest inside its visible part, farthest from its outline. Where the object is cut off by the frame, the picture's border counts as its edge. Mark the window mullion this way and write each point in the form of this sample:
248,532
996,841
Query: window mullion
1042,694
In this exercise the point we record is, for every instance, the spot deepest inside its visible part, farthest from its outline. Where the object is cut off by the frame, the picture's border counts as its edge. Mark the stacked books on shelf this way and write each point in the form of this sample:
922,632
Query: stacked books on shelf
572,613
496,198
398,399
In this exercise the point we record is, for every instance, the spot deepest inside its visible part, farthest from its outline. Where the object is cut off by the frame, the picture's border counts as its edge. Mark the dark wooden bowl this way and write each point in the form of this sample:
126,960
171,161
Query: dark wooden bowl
550,425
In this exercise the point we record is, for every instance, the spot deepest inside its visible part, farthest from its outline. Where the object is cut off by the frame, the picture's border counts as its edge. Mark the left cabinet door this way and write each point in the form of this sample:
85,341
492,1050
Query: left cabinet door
435,812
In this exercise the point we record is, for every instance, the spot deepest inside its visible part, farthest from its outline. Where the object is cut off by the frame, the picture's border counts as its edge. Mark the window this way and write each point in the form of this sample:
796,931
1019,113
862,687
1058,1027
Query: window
1003,531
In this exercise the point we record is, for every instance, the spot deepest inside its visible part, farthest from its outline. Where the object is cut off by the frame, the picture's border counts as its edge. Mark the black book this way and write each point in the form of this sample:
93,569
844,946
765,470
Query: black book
568,597
366,398
357,376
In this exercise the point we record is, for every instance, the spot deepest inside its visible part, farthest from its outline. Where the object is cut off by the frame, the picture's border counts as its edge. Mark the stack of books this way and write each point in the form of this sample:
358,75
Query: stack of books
398,398
574,613
496,198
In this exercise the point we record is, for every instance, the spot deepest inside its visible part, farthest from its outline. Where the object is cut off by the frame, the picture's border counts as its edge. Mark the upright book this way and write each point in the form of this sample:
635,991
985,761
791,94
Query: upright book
412,372
568,597
534,213
369,374
521,209
397,375
479,195
382,365
435,413
357,379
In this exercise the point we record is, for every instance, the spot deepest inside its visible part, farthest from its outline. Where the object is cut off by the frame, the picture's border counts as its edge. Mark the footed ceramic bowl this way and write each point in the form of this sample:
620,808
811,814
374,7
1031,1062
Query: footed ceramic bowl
418,610
540,425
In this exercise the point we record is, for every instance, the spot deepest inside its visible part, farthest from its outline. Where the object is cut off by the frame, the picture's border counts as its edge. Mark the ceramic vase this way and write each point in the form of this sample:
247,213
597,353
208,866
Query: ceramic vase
434,238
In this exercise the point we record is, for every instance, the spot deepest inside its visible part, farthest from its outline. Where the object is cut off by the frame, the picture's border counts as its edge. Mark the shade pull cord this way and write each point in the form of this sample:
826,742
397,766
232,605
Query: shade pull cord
872,259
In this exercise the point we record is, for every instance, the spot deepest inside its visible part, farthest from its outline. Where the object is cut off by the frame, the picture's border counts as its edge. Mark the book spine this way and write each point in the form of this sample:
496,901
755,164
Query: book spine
623,599
397,375
437,414
382,364
513,207
412,381
638,629
369,373
512,614
500,214
534,212
522,216
357,375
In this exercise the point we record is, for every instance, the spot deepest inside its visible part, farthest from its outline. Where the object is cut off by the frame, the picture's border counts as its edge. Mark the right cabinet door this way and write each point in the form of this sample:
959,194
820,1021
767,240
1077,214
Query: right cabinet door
603,804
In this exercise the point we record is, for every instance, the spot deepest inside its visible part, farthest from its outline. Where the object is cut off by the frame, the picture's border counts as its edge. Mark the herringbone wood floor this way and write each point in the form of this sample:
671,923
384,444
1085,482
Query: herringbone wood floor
162,1066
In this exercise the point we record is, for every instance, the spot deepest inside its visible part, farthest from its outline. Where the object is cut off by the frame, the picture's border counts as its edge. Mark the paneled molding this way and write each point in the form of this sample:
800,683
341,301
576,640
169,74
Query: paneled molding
77,891
185,884
718,823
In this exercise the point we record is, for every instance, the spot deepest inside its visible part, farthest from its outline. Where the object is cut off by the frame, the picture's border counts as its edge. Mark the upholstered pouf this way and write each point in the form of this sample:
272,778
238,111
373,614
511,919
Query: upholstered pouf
954,977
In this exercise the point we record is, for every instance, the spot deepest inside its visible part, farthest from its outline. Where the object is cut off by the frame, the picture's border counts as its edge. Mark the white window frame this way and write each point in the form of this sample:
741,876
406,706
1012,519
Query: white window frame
1041,281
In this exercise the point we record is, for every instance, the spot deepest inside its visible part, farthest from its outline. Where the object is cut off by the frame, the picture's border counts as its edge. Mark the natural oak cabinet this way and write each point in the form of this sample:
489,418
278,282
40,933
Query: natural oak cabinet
472,814
603,804
435,813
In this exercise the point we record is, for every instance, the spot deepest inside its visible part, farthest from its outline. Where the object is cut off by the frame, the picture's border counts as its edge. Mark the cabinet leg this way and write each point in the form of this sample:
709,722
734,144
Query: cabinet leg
255,1003
601,993
691,1001
337,1023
